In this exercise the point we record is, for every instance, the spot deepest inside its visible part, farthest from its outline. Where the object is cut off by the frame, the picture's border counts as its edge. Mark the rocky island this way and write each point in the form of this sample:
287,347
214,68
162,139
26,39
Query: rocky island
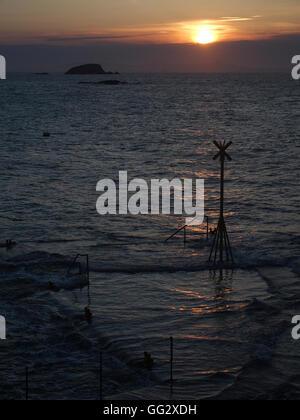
88,69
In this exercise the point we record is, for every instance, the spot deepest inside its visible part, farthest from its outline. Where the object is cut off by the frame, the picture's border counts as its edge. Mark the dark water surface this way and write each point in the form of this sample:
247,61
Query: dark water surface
228,326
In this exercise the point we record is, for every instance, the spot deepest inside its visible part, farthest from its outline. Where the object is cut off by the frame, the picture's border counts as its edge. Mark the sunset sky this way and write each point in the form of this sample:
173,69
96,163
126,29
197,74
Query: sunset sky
142,30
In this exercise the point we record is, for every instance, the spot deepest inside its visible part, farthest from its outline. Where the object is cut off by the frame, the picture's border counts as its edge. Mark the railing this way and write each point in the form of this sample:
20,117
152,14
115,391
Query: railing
179,230
73,264
183,228
100,367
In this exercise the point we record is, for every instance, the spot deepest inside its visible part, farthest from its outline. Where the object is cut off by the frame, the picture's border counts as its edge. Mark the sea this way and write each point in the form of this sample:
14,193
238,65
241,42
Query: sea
231,324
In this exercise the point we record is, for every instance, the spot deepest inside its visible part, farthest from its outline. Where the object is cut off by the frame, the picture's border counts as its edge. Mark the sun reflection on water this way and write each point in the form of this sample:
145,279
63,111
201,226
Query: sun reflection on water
220,300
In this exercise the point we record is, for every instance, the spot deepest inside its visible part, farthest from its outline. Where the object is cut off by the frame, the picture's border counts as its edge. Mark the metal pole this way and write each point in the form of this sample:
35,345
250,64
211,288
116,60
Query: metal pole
101,377
217,243
88,268
229,245
26,384
222,186
221,241
171,359
207,227
213,246
72,264
222,208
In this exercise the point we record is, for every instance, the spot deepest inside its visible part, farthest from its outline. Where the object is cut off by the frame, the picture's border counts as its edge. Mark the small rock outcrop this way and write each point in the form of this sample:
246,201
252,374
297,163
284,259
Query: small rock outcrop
104,82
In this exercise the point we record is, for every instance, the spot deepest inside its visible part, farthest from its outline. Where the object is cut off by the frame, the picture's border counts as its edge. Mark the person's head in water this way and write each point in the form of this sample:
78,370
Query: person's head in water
148,361
88,314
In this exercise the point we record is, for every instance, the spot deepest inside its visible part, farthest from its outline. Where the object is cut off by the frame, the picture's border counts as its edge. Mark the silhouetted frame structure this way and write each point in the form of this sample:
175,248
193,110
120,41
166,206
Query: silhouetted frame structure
221,247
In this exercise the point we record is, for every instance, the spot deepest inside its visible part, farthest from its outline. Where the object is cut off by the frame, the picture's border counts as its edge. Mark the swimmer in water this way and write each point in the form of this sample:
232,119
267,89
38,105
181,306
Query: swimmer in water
148,361
88,314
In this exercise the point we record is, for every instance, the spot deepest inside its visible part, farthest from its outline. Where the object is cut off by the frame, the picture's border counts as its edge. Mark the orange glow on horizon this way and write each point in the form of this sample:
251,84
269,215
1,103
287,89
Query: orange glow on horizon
185,32
145,22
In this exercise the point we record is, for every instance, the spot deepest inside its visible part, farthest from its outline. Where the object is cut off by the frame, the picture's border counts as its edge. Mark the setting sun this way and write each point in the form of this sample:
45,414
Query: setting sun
205,36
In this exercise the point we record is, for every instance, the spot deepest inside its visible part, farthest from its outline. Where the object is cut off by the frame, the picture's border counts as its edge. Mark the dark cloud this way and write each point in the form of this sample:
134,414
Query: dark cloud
56,39
243,56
